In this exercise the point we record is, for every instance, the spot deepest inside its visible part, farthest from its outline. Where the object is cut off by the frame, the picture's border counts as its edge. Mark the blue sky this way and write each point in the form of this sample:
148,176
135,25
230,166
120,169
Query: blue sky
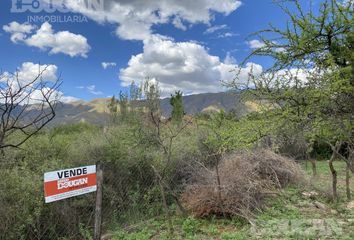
187,45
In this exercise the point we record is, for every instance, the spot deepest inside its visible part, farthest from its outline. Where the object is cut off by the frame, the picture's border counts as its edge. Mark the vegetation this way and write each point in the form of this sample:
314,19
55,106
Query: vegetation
17,97
176,102
213,176
311,84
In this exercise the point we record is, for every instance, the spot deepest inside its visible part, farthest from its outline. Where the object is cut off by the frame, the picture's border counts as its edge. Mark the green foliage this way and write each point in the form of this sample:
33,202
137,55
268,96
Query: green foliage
123,104
190,226
151,93
135,92
130,190
177,107
85,233
73,129
184,228
233,236
113,109
311,83
222,135
127,107
144,234
323,37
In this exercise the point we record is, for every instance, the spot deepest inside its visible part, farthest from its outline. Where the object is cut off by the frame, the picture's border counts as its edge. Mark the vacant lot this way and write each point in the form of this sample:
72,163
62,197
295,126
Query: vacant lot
294,214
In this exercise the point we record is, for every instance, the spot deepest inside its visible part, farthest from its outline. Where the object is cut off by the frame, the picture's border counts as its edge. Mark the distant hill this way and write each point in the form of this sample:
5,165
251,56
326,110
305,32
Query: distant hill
96,111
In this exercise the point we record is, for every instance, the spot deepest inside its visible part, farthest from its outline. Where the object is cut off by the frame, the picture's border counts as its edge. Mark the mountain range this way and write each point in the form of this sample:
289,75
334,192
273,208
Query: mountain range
96,111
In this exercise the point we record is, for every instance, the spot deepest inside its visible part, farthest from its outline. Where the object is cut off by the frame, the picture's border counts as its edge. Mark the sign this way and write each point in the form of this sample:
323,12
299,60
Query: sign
68,183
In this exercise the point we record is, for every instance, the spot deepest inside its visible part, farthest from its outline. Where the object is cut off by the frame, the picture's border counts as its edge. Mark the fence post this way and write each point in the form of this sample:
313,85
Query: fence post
98,208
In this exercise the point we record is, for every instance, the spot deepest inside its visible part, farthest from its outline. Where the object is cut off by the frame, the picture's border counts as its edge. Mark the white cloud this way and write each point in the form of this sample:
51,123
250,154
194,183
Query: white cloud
254,44
37,96
221,31
18,31
46,39
283,78
106,65
91,89
292,76
185,66
215,28
227,35
135,18
229,59
29,71
67,99
26,74
177,22
347,3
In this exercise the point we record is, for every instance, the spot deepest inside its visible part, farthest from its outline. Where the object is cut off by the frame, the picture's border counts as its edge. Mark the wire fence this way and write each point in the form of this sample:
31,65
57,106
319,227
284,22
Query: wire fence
129,195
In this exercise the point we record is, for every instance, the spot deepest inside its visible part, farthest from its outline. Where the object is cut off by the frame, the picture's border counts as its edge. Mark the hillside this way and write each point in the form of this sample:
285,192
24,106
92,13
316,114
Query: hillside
96,112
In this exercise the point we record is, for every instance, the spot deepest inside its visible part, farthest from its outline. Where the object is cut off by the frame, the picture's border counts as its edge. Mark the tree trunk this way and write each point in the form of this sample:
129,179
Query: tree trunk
218,181
181,209
98,208
347,174
167,212
314,168
309,148
164,201
347,182
334,176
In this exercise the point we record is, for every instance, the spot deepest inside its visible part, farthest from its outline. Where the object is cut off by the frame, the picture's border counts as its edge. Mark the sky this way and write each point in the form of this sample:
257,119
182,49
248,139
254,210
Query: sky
98,47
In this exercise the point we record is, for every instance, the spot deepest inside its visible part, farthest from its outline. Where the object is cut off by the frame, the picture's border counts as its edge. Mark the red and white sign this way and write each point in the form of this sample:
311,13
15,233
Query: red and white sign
68,183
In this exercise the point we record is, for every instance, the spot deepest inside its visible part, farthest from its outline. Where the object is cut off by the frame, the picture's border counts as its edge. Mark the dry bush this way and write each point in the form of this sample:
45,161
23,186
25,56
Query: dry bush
246,178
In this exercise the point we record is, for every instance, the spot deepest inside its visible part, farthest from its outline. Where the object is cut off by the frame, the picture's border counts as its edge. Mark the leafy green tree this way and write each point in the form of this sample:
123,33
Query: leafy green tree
135,96
113,109
176,102
312,78
127,106
152,97
123,105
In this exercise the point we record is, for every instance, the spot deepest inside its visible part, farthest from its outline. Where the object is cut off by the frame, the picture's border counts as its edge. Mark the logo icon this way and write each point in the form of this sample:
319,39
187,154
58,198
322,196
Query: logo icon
20,4
50,6
23,5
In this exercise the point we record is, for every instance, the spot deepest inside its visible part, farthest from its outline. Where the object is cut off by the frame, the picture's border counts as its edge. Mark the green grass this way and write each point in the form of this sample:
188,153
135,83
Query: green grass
184,228
322,182
290,215
323,169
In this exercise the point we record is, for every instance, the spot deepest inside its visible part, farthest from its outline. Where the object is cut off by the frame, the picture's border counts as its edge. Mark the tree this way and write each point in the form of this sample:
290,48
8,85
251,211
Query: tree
127,105
123,105
135,96
161,134
176,102
312,78
26,106
113,109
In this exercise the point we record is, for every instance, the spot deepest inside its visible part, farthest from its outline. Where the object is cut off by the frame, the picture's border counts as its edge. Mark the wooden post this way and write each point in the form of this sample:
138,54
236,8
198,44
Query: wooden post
98,209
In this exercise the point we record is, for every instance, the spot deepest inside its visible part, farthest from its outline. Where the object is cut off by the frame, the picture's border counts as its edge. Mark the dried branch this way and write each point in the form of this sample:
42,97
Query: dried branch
26,107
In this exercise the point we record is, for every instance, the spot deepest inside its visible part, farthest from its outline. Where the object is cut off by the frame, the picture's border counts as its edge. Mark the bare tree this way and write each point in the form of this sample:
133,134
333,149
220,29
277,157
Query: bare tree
26,106
163,134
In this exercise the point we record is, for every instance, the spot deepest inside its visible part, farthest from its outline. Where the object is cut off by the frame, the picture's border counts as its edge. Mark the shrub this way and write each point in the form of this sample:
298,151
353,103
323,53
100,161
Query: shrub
246,178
